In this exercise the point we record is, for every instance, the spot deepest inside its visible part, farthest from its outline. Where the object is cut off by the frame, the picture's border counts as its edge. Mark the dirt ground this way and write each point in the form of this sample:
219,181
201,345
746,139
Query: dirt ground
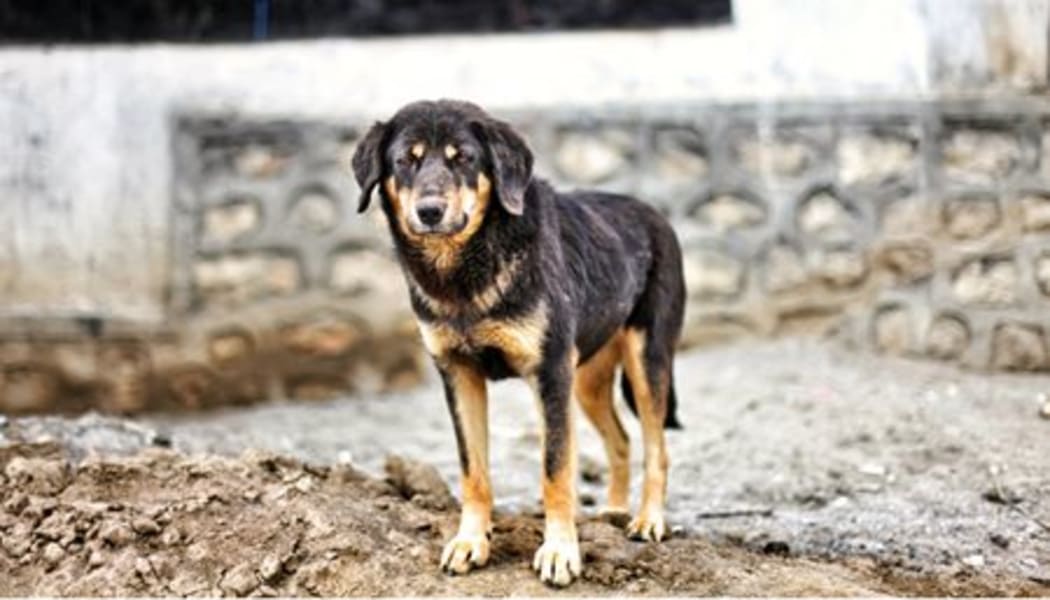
803,469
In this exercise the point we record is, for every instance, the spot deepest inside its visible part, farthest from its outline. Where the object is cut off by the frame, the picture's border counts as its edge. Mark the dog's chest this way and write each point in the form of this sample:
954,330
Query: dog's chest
499,347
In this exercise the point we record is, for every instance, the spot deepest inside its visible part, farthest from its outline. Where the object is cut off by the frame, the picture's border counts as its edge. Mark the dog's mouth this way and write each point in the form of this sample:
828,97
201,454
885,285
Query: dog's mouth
439,229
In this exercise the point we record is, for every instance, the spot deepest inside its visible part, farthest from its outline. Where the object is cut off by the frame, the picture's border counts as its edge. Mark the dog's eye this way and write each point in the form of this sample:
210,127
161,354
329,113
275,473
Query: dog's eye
405,160
465,158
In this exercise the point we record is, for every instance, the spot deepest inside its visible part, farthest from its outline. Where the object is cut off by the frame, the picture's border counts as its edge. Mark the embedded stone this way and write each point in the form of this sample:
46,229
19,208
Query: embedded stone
358,271
1044,163
783,157
321,337
875,159
784,269
313,211
980,156
229,347
680,155
727,211
840,268
76,360
711,274
316,388
989,281
194,387
908,216
907,261
233,220
968,218
825,217
240,278
893,330
259,162
1035,212
947,338
27,389
593,157
1018,347
1042,273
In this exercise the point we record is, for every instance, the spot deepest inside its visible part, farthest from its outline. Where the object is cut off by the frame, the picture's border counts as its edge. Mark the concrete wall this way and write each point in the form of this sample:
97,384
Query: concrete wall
121,168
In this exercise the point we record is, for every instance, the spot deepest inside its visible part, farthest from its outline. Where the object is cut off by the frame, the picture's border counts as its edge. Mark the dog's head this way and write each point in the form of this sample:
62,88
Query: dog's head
438,164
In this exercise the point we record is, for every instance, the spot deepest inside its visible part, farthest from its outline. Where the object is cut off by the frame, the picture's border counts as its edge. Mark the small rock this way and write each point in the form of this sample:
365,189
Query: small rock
16,504
241,580
777,547
142,567
145,526
413,478
1001,495
96,559
1044,410
975,561
3,421
53,554
18,540
116,533
873,469
266,592
616,519
270,568
171,536
1000,540
591,470
305,484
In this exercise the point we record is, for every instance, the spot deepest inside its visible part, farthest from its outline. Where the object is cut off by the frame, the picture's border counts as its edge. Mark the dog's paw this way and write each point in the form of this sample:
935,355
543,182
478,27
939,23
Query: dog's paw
558,562
649,526
465,552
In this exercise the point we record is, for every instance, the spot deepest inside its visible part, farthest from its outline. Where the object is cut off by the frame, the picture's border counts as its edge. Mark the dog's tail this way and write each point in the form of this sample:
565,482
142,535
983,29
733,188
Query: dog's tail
671,419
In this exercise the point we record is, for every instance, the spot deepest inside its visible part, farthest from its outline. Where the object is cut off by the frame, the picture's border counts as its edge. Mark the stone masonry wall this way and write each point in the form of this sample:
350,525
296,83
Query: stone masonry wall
914,228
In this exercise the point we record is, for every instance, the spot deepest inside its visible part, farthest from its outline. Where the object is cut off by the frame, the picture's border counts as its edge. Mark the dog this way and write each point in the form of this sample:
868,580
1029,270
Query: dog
509,278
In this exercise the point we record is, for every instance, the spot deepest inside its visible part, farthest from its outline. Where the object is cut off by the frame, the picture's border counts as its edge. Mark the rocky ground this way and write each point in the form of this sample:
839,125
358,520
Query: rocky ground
803,469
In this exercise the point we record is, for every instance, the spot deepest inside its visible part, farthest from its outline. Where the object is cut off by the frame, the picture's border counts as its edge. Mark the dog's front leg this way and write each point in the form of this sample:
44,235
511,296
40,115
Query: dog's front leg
468,405
558,559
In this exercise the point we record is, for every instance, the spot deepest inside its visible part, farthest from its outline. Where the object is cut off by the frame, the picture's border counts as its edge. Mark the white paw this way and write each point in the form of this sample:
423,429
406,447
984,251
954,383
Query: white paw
558,562
465,552
648,526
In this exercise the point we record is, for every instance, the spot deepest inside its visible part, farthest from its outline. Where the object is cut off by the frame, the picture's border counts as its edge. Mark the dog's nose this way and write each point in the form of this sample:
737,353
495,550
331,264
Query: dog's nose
430,214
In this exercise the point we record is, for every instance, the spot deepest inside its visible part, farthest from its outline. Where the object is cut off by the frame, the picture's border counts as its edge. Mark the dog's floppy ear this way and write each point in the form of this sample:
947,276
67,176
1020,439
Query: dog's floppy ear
368,162
511,163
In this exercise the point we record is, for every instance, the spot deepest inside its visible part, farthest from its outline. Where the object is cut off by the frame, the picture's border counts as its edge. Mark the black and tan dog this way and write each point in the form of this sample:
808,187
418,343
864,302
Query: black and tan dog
509,278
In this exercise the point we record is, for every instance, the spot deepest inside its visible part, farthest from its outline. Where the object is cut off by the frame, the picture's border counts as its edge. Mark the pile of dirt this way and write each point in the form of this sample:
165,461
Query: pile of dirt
161,522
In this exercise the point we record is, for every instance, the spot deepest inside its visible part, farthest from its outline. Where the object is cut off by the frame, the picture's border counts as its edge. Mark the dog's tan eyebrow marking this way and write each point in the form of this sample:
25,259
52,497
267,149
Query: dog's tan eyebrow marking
419,149
451,151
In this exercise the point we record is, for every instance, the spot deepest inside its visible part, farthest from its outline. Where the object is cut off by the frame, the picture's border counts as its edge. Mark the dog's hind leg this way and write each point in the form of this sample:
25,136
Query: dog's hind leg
465,392
594,391
649,378
648,355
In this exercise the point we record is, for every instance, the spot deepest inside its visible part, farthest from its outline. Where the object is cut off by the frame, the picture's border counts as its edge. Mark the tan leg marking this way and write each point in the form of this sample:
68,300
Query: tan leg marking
649,524
594,391
470,547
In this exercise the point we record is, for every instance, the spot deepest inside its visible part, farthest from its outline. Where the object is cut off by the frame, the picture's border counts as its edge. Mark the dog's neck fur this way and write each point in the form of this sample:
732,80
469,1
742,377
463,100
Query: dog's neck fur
483,267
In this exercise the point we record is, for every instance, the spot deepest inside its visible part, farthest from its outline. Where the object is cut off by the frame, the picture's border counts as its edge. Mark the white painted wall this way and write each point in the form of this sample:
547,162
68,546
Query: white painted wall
85,165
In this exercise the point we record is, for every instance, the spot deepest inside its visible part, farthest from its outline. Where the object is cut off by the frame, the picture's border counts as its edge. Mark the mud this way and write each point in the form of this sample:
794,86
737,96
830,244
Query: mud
261,524
803,469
